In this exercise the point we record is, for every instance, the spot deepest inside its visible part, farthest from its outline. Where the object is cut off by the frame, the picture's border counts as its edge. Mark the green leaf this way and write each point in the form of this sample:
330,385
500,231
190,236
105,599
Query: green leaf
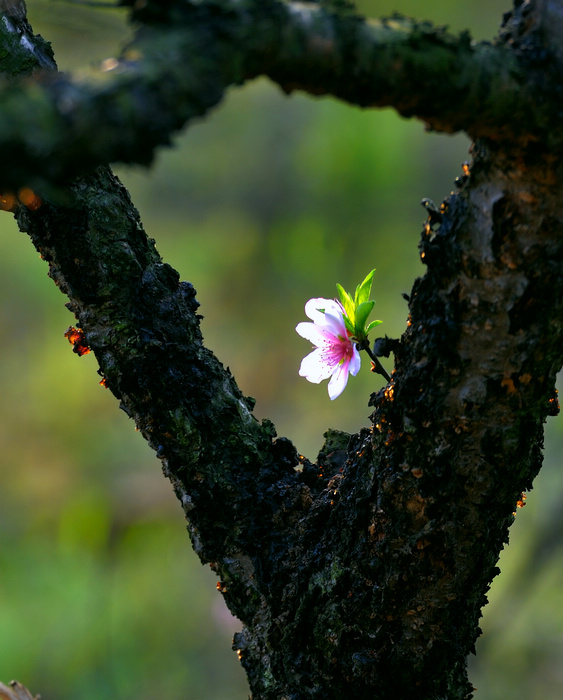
347,302
373,324
348,324
362,313
363,290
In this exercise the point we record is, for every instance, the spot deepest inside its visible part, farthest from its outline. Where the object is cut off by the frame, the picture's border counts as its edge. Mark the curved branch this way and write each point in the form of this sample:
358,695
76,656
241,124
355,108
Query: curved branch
177,70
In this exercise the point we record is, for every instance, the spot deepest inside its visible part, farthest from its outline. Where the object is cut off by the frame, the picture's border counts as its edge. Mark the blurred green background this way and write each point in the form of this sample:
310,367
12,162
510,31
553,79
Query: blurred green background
268,202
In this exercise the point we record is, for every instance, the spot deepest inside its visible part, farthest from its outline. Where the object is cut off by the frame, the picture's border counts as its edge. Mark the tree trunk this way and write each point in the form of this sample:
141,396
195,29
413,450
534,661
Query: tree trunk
364,574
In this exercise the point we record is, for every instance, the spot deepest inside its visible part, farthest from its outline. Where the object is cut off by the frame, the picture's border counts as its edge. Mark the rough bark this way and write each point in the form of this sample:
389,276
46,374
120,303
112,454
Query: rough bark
364,574
135,102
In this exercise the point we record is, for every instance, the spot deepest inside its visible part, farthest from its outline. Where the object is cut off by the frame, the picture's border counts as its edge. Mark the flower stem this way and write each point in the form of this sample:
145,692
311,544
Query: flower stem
376,365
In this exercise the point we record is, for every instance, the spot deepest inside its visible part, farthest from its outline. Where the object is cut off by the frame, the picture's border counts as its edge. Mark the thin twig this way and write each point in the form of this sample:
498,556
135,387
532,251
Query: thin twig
377,367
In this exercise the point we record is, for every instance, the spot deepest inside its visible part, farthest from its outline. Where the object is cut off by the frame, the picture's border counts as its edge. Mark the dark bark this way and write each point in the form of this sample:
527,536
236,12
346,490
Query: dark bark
364,574
137,101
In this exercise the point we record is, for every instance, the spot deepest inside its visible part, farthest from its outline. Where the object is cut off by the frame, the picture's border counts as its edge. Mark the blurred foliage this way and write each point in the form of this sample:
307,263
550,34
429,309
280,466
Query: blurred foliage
270,201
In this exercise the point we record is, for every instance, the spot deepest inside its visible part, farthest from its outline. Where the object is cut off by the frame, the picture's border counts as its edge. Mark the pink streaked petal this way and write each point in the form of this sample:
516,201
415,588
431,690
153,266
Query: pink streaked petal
335,325
338,381
317,335
355,362
314,368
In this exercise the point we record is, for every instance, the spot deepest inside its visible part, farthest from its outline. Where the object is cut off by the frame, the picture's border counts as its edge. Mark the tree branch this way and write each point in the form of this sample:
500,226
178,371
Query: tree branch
227,469
179,69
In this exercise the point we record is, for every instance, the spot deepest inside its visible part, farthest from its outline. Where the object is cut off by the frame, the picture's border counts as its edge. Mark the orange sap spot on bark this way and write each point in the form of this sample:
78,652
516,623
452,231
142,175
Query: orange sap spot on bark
29,199
508,384
8,201
78,341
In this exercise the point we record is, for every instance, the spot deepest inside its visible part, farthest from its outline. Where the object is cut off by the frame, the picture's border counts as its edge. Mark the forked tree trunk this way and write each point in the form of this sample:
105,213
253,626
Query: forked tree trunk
362,575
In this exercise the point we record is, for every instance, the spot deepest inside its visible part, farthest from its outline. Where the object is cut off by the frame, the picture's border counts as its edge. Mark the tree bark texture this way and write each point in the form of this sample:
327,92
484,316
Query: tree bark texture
178,67
362,575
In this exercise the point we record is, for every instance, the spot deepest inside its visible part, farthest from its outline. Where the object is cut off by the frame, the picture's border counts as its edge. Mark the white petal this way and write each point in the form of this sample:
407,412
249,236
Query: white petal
335,324
355,362
315,368
329,306
312,332
338,382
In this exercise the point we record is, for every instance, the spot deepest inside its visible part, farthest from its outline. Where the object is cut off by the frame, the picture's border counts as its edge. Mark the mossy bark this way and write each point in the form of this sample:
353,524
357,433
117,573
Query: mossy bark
362,575
180,65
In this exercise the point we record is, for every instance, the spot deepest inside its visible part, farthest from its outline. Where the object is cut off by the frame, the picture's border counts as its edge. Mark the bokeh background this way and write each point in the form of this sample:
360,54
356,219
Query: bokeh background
268,202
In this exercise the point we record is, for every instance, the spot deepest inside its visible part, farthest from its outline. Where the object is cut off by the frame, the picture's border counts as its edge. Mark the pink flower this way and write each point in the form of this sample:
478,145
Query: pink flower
335,355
